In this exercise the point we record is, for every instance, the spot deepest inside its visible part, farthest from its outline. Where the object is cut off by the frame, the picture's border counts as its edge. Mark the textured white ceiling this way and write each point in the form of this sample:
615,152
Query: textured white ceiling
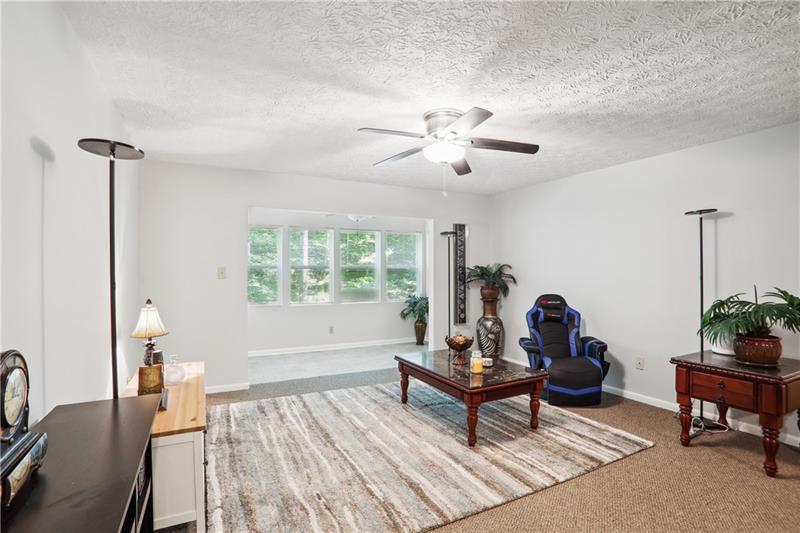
284,86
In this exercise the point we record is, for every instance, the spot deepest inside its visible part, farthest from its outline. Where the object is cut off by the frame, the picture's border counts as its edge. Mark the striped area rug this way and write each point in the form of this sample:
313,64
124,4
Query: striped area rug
358,460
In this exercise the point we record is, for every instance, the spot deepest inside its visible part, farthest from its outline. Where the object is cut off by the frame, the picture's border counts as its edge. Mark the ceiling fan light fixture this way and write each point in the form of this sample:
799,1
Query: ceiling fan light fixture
443,152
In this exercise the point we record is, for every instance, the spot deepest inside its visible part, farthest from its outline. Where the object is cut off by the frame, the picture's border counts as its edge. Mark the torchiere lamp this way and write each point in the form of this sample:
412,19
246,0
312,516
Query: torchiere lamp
113,150
149,326
702,424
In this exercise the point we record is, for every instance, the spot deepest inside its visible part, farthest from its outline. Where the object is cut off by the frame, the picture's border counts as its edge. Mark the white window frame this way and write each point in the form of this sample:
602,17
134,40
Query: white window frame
287,282
420,238
378,265
278,267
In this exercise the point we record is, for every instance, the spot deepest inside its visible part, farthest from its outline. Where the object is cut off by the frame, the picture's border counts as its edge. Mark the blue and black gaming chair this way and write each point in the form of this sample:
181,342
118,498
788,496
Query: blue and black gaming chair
576,364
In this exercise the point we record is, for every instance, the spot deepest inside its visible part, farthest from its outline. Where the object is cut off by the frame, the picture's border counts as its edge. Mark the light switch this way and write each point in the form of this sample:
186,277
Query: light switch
221,273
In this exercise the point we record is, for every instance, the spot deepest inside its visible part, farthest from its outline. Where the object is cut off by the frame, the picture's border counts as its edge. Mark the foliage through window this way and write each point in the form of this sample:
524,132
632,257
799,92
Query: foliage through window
310,265
402,265
373,266
358,269
263,274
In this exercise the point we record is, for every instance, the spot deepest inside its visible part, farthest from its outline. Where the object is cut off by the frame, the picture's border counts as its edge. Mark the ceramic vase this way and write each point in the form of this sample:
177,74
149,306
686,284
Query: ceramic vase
490,330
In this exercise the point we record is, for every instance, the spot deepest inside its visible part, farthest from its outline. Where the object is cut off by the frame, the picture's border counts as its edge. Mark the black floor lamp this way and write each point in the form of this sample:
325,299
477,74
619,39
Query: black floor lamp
113,150
449,235
701,424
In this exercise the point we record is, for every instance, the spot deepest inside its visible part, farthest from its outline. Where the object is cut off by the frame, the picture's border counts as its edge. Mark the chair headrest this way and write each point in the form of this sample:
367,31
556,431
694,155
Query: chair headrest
553,306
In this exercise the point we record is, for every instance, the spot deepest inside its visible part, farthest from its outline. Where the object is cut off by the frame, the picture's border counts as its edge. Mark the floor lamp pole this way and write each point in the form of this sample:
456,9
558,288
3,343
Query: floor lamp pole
704,424
112,263
449,235
112,150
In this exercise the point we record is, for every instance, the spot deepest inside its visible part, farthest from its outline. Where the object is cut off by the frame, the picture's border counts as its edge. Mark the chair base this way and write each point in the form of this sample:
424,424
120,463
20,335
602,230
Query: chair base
573,400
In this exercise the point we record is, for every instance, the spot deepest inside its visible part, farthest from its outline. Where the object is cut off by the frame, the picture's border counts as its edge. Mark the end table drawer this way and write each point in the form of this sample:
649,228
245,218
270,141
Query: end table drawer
730,391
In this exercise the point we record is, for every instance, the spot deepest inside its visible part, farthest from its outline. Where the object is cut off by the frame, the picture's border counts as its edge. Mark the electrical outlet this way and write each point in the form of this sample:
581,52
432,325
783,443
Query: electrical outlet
330,330
640,363
221,273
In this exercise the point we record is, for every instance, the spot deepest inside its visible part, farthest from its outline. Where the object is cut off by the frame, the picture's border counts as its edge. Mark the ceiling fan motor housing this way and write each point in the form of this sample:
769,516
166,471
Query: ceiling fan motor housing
438,120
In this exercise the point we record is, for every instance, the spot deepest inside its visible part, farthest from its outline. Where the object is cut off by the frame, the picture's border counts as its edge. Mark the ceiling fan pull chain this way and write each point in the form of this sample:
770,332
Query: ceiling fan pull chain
444,180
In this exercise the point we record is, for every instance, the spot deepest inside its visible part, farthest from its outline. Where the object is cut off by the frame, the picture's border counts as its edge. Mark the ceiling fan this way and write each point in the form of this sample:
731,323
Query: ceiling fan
447,131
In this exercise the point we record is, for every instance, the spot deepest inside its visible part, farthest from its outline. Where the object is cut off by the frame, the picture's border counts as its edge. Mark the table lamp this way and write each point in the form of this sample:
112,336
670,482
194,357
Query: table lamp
151,377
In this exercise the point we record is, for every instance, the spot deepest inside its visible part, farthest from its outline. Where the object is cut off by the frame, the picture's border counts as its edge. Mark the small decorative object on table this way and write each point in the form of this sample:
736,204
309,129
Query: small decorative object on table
459,344
494,279
22,451
174,373
151,376
749,325
476,363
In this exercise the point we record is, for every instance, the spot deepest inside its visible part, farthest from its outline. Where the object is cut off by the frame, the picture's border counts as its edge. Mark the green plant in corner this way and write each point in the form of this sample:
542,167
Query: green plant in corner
417,307
491,276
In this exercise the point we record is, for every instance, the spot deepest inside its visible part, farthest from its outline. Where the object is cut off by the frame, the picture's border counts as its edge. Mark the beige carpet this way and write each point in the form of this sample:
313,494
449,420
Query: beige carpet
716,485
358,460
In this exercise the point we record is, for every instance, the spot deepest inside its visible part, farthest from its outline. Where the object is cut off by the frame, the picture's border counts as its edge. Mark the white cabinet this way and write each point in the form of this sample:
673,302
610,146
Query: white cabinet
179,480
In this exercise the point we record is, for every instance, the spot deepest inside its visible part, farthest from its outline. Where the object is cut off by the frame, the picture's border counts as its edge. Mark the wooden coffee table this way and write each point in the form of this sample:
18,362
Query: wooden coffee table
504,380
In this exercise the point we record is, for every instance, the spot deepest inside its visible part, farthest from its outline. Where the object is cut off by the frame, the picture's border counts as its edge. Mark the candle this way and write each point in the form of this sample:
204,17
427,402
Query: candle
476,364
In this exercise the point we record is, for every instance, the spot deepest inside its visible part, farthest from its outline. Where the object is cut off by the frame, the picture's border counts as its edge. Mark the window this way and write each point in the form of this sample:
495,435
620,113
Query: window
310,266
402,265
358,270
263,274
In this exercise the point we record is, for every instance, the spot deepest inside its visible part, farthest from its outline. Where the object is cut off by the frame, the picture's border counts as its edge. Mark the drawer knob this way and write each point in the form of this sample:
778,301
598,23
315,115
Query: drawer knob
721,384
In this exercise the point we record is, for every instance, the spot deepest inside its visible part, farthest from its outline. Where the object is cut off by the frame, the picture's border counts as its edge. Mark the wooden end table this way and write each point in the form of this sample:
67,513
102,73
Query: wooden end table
503,380
769,392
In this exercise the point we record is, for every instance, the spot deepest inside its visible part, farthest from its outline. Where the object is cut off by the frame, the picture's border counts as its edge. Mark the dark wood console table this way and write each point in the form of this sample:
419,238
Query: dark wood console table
770,392
97,472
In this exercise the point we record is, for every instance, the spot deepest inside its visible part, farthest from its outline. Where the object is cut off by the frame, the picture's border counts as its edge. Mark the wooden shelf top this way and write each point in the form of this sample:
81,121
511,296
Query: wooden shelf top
186,404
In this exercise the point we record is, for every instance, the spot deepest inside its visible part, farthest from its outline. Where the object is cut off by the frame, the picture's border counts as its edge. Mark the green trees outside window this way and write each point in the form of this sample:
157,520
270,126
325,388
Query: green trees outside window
263,274
310,265
358,270
372,265
402,265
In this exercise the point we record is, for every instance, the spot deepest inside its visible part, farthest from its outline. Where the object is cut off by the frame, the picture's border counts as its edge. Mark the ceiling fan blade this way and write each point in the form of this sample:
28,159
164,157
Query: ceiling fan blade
469,120
505,146
401,155
461,167
394,132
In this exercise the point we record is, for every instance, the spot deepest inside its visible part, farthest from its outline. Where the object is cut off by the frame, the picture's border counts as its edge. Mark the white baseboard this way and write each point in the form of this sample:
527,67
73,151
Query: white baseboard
326,347
738,425
211,389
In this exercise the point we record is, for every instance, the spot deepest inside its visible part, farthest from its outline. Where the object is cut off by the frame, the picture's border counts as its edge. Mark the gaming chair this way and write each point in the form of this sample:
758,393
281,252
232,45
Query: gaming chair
576,364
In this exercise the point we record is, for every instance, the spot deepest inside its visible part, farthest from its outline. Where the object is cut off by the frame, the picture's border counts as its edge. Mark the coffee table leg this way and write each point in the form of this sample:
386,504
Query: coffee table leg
535,395
403,387
472,424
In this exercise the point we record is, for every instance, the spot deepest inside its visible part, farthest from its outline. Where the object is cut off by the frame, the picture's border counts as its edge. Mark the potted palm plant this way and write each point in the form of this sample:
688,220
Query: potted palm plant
494,281
417,307
749,325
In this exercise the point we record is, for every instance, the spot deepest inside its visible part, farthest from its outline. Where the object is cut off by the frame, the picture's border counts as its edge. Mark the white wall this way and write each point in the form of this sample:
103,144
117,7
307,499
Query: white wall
274,328
616,244
194,219
54,230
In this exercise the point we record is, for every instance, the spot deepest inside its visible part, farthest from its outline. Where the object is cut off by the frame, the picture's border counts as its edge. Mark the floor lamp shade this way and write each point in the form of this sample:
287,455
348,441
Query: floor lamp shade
112,150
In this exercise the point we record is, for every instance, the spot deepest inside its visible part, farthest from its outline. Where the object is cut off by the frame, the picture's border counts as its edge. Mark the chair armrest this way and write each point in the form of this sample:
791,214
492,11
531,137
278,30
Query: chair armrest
595,348
534,357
